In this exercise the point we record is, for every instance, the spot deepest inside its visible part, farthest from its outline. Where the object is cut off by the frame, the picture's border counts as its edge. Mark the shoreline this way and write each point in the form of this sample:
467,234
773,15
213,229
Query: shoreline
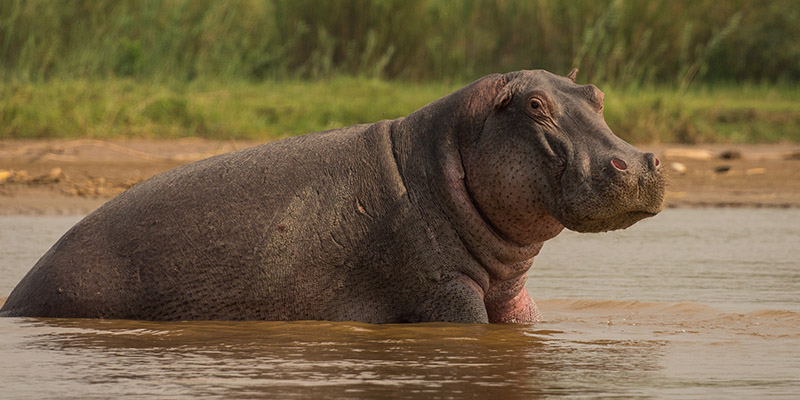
74,177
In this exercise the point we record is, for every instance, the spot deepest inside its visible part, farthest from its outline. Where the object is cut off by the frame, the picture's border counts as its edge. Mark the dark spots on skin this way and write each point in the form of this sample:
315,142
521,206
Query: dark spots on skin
509,189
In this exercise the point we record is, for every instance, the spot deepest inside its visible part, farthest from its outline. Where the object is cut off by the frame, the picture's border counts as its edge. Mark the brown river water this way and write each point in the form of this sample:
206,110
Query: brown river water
694,303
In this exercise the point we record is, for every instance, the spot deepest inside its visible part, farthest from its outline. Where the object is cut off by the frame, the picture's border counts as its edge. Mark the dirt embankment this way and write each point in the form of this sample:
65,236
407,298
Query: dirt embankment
75,177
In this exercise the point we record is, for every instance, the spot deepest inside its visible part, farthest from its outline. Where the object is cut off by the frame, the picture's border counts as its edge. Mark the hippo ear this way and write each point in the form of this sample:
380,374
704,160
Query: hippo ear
572,74
503,98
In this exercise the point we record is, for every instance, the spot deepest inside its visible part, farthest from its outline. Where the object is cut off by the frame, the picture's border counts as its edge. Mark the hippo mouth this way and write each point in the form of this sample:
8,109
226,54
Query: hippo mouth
587,209
621,220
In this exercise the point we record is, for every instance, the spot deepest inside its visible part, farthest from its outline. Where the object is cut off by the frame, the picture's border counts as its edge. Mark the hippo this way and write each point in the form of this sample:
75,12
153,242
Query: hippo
433,217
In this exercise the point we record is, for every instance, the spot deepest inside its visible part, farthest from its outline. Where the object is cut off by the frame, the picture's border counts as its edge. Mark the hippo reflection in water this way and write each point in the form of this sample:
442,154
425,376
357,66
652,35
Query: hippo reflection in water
432,217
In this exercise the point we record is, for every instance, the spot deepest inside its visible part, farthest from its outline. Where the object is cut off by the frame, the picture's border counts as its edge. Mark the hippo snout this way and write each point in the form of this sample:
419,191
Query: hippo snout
616,192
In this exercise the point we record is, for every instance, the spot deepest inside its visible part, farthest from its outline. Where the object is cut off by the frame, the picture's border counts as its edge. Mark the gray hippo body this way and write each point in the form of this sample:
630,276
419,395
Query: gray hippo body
433,217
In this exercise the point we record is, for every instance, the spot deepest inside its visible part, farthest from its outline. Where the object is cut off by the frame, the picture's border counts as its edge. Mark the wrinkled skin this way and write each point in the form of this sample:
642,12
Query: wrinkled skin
433,217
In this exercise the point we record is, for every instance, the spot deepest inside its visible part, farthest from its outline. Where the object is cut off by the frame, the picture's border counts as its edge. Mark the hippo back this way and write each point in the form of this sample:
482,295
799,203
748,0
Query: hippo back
232,237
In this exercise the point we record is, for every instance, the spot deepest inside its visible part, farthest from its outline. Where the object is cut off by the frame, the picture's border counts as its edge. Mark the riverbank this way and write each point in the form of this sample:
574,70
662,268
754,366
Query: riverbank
62,177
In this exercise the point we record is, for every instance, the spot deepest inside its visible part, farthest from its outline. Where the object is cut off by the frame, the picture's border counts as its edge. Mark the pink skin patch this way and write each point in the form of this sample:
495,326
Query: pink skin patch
520,309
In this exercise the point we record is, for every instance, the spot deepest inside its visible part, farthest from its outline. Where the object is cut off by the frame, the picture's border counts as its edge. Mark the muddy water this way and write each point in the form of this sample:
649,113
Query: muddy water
693,303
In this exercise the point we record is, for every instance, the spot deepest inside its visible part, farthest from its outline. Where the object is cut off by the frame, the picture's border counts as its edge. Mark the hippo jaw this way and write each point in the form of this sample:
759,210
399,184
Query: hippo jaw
601,223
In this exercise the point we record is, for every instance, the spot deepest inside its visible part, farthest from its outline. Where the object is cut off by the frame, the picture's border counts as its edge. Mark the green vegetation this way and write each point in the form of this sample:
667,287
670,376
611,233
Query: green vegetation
673,70
706,114
238,109
612,41
269,110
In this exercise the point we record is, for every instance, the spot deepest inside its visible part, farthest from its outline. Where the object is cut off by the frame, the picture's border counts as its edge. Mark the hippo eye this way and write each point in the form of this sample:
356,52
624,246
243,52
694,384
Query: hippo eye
538,106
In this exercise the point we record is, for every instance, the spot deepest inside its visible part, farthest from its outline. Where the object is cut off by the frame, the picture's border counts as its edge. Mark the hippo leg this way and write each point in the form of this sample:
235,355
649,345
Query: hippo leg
509,302
519,309
459,300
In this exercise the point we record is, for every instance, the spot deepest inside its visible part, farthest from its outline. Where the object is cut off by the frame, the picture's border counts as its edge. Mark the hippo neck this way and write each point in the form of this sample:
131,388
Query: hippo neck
425,146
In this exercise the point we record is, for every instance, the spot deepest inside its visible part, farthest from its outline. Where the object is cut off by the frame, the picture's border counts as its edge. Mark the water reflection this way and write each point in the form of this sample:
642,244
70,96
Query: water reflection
313,359
690,304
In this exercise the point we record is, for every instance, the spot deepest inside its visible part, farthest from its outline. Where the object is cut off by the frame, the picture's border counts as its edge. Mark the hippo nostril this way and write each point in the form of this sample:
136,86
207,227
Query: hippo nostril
619,164
652,161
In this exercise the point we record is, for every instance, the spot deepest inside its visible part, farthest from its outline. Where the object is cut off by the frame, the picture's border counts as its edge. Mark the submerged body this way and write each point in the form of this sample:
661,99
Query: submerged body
433,217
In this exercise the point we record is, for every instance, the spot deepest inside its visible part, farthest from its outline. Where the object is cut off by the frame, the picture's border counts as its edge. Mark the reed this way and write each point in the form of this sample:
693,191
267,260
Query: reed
624,43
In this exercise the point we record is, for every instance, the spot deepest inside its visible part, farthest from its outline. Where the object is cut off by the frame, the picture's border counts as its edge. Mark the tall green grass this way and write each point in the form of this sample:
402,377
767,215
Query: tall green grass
634,42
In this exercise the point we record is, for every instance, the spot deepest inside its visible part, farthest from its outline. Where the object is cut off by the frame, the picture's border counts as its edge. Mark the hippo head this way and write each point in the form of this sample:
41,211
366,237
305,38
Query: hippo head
545,155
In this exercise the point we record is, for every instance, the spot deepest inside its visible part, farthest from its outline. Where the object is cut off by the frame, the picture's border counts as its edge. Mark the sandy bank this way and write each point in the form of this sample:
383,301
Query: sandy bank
53,176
